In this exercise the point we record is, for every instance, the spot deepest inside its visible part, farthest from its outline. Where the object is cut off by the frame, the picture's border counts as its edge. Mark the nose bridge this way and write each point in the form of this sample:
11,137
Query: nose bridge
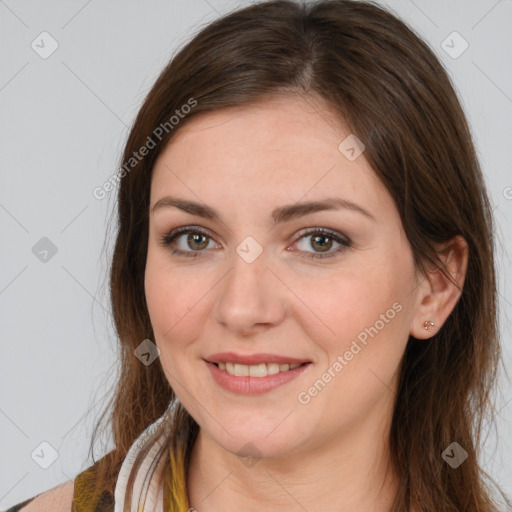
246,282
248,296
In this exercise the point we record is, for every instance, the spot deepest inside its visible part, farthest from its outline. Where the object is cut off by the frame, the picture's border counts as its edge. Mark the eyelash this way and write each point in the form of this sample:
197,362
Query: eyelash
168,239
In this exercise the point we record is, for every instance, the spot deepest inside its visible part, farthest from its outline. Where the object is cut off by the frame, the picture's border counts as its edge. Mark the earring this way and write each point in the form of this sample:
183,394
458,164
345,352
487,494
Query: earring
428,324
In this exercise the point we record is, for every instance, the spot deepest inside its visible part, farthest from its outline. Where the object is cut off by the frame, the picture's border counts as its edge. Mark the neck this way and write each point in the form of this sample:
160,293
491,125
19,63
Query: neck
349,472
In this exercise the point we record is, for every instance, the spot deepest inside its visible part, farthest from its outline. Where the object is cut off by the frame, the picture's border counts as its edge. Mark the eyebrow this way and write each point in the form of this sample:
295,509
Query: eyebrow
279,215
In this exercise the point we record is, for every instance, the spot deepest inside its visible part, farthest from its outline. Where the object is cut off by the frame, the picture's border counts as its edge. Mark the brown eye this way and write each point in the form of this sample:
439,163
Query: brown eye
194,241
322,241
192,245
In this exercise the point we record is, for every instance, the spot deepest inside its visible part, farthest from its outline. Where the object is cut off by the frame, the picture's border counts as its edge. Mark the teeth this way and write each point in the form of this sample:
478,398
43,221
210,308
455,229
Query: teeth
256,370
272,368
241,370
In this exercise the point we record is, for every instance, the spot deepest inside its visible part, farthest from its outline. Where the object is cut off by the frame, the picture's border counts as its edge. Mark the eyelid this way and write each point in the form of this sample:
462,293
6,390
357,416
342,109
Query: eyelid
327,231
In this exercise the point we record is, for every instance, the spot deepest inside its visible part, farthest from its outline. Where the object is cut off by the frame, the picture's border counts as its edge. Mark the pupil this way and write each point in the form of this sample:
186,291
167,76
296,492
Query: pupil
196,240
323,246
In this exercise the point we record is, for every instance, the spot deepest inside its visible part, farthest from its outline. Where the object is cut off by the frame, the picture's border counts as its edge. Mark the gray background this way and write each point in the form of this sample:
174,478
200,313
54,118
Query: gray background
63,123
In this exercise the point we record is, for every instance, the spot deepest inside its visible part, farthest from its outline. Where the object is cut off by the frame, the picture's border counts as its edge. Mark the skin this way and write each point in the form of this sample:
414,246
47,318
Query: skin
331,453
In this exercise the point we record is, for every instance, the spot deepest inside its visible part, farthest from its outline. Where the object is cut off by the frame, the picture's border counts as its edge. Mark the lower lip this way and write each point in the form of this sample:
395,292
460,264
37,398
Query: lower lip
253,385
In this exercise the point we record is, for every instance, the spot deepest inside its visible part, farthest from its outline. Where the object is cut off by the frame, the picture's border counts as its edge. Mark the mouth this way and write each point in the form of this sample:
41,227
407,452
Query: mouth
256,370
254,374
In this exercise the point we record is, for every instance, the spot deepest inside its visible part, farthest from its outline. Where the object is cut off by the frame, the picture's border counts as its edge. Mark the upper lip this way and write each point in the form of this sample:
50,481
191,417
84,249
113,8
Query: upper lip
253,359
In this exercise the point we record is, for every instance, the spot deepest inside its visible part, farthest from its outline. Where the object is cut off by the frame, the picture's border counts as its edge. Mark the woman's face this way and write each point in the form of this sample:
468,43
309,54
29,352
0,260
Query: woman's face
271,280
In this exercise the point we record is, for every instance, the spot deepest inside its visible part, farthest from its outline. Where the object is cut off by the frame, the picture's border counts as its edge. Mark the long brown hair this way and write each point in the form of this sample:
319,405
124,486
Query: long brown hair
392,92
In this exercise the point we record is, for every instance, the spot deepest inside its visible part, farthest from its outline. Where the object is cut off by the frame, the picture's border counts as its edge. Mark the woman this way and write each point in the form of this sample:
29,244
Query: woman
303,278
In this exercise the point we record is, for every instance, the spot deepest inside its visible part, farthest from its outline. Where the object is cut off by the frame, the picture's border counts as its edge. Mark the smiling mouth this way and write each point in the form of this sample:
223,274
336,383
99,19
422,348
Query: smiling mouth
256,370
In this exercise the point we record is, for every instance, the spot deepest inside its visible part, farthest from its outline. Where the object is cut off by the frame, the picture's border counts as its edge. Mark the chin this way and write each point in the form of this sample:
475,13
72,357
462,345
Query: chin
255,443
251,448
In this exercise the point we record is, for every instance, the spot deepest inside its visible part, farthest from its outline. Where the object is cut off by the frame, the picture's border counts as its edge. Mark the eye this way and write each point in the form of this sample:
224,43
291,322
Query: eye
323,239
196,240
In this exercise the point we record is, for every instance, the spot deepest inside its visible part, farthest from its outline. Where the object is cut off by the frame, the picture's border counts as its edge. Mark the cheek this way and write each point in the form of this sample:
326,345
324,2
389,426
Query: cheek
346,302
165,311
361,311
362,336
178,310
160,302
168,309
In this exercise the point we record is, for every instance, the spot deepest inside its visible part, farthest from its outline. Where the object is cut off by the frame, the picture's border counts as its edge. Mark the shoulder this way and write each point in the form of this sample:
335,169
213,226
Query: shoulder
57,499
85,493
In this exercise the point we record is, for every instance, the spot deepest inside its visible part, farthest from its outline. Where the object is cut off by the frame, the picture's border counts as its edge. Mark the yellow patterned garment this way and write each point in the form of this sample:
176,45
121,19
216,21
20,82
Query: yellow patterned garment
85,498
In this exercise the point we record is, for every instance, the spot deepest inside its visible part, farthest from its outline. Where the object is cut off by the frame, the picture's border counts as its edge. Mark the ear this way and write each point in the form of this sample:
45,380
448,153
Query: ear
438,295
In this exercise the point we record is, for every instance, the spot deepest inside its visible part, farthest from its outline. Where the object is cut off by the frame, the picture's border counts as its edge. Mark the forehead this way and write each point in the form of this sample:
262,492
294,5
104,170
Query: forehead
278,151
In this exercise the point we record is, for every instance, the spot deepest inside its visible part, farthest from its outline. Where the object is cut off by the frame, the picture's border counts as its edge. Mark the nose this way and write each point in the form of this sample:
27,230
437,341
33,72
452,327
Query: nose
250,297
